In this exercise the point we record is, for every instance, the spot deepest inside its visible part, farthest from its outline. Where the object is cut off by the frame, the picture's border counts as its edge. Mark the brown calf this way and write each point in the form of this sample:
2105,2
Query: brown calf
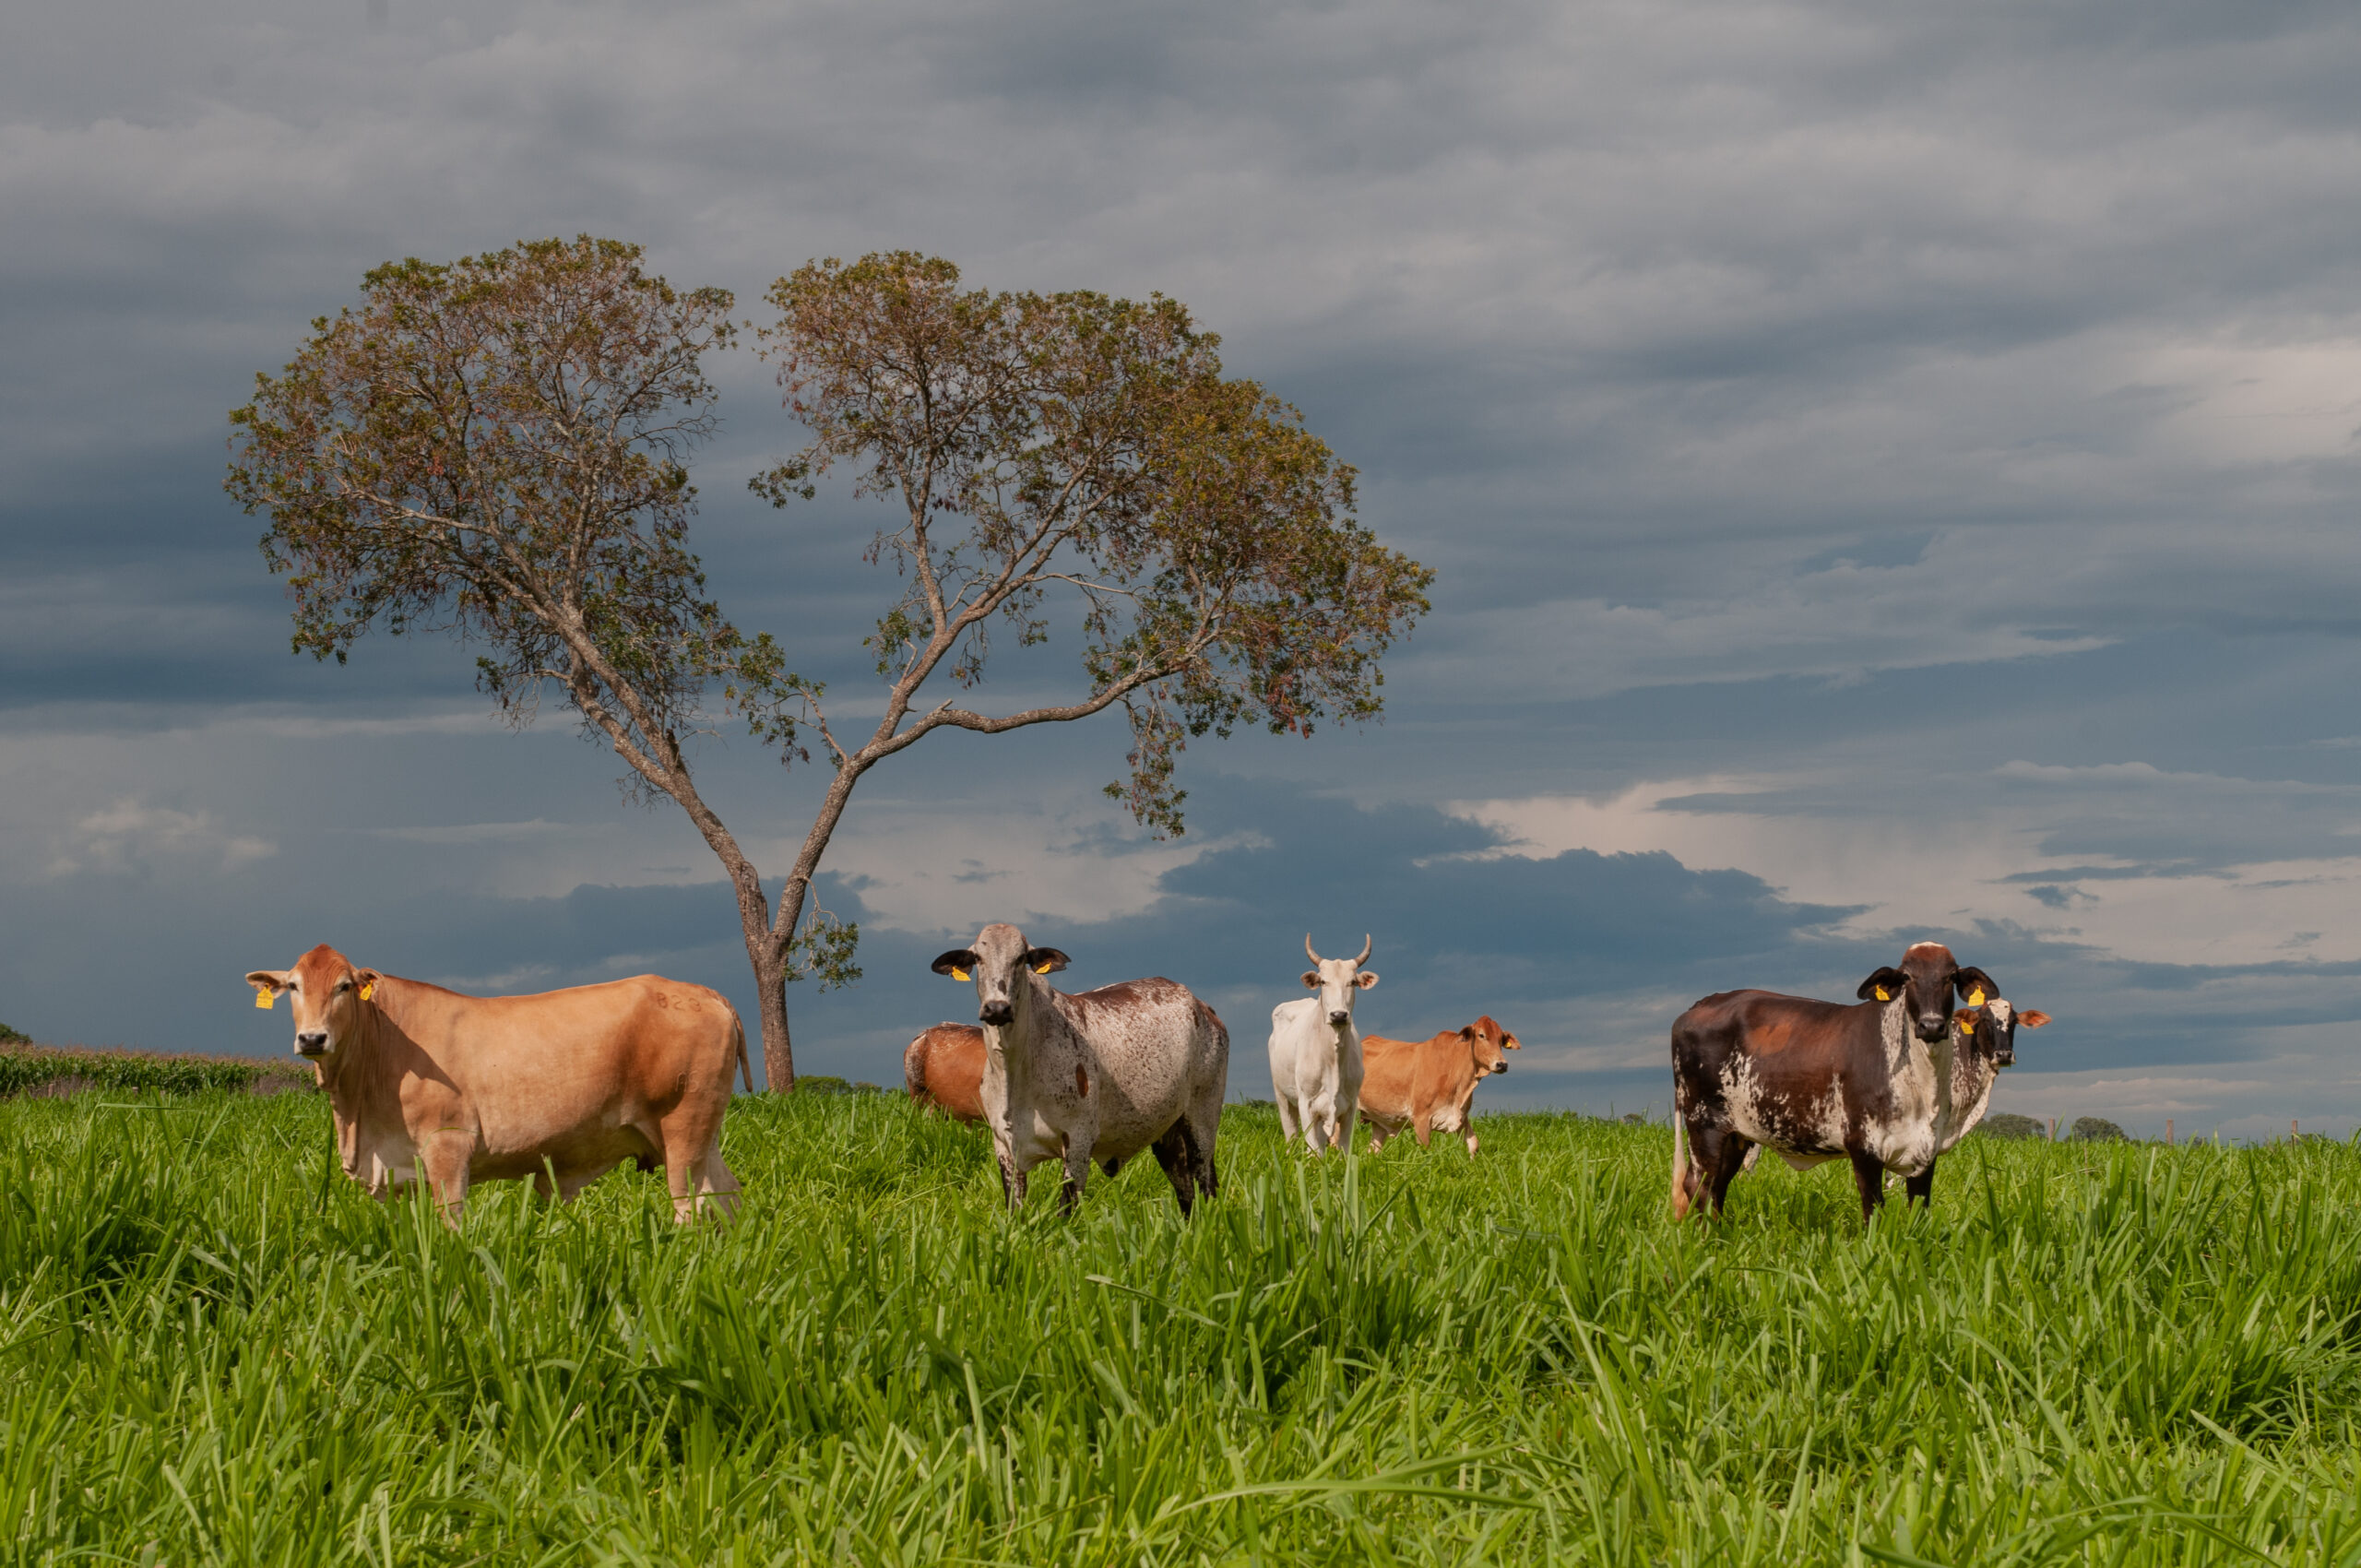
1429,1084
945,1068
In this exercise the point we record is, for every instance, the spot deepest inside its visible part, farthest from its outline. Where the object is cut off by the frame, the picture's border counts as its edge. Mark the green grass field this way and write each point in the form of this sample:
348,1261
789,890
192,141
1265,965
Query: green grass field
2085,1355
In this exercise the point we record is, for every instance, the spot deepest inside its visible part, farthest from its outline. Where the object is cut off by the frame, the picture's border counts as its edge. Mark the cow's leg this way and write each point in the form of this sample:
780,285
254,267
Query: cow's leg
1704,1151
1868,1175
442,1161
1078,1164
694,1174
1735,1147
1920,1189
1423,1125
1289,1123
1175,1153
1012,1178
1203,1125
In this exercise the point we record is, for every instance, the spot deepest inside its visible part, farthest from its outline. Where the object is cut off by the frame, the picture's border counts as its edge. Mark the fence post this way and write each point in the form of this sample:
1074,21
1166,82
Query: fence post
2168,1132
2293,1135
2052,1129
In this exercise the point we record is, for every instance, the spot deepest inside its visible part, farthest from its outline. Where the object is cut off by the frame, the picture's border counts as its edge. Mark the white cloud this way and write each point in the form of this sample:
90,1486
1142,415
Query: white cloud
1934,848
130,839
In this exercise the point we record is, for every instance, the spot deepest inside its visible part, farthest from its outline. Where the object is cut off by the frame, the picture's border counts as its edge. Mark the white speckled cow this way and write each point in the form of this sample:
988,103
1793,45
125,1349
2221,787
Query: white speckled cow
1316,1067
1890,1084
1100,1076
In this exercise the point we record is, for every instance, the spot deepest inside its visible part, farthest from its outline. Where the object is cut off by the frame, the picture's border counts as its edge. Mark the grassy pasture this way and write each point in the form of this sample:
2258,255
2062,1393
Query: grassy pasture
2099,1355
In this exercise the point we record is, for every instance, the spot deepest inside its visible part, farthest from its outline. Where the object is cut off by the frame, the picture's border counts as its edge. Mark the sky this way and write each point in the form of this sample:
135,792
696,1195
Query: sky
1892,473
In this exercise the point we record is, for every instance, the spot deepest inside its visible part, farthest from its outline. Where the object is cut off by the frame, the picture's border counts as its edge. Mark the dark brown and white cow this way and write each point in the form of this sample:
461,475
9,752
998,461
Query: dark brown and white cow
1815,1081
1098,1076
943,1067
561,1088
1430,1085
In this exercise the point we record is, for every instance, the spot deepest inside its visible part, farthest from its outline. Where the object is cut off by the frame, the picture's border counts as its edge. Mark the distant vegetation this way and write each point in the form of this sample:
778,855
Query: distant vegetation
216,1350
2008,1125
25,1067
11,1037
2097,1130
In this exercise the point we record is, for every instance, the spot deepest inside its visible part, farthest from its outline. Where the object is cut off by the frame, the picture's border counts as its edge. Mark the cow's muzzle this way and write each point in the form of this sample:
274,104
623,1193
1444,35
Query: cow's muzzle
313,1044
996,1013
1340,1018
1932,1030
1500,1067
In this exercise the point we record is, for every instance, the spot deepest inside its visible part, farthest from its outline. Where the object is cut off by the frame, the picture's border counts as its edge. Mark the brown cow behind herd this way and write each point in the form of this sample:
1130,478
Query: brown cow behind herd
945,1068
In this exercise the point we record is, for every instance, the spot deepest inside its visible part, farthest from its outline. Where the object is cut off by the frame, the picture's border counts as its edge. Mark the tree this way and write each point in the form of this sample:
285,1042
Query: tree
497,448
1088,446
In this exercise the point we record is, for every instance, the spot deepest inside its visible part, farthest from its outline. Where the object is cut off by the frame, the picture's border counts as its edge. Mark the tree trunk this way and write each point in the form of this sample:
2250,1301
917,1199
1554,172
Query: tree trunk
779,1055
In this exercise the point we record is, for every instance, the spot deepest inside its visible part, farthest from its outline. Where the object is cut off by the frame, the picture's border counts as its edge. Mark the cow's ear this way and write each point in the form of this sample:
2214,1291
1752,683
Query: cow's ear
2032,1019
959,963
1366,978
1046,960
1974,985
1966,1019
1467,1033
267,984
366,981
1509,1042
1884,986
1311,980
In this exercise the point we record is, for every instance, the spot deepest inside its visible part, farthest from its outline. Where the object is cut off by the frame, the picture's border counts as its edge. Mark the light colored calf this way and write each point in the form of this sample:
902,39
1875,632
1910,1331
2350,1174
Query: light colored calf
1316,1051
1430,1085
1095,1076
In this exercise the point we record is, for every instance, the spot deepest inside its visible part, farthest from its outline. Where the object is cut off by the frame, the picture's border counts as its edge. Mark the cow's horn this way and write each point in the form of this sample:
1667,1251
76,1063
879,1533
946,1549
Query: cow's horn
1364,957
1307,947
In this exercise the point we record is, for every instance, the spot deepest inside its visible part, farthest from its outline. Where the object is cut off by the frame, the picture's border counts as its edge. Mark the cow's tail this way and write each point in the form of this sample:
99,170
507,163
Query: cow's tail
914,1066
746,1067
1680,1165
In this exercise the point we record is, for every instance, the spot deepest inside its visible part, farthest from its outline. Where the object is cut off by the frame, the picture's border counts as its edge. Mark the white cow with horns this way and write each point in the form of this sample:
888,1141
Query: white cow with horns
1316,1051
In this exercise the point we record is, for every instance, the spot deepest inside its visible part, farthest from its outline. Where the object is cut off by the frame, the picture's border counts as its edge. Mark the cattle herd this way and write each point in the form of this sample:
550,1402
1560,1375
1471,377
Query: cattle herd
562,1087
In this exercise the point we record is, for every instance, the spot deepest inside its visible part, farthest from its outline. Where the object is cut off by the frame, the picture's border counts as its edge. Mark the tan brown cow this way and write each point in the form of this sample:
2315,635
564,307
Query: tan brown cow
945,1068
570,1084
1429,1084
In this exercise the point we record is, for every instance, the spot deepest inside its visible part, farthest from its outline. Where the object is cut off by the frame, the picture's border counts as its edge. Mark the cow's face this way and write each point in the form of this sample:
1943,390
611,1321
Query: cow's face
331,998
1990,1030
1338,982
998,964
1923,981
1485,1041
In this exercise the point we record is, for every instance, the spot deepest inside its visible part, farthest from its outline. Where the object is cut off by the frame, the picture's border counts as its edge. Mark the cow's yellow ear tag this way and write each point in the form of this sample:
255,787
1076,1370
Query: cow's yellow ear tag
367,990
1884,995
1975,998
263,999
958,973
1043,968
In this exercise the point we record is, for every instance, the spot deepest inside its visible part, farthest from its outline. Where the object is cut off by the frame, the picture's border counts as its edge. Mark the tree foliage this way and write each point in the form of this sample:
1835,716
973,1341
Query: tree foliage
1090,446
498,447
